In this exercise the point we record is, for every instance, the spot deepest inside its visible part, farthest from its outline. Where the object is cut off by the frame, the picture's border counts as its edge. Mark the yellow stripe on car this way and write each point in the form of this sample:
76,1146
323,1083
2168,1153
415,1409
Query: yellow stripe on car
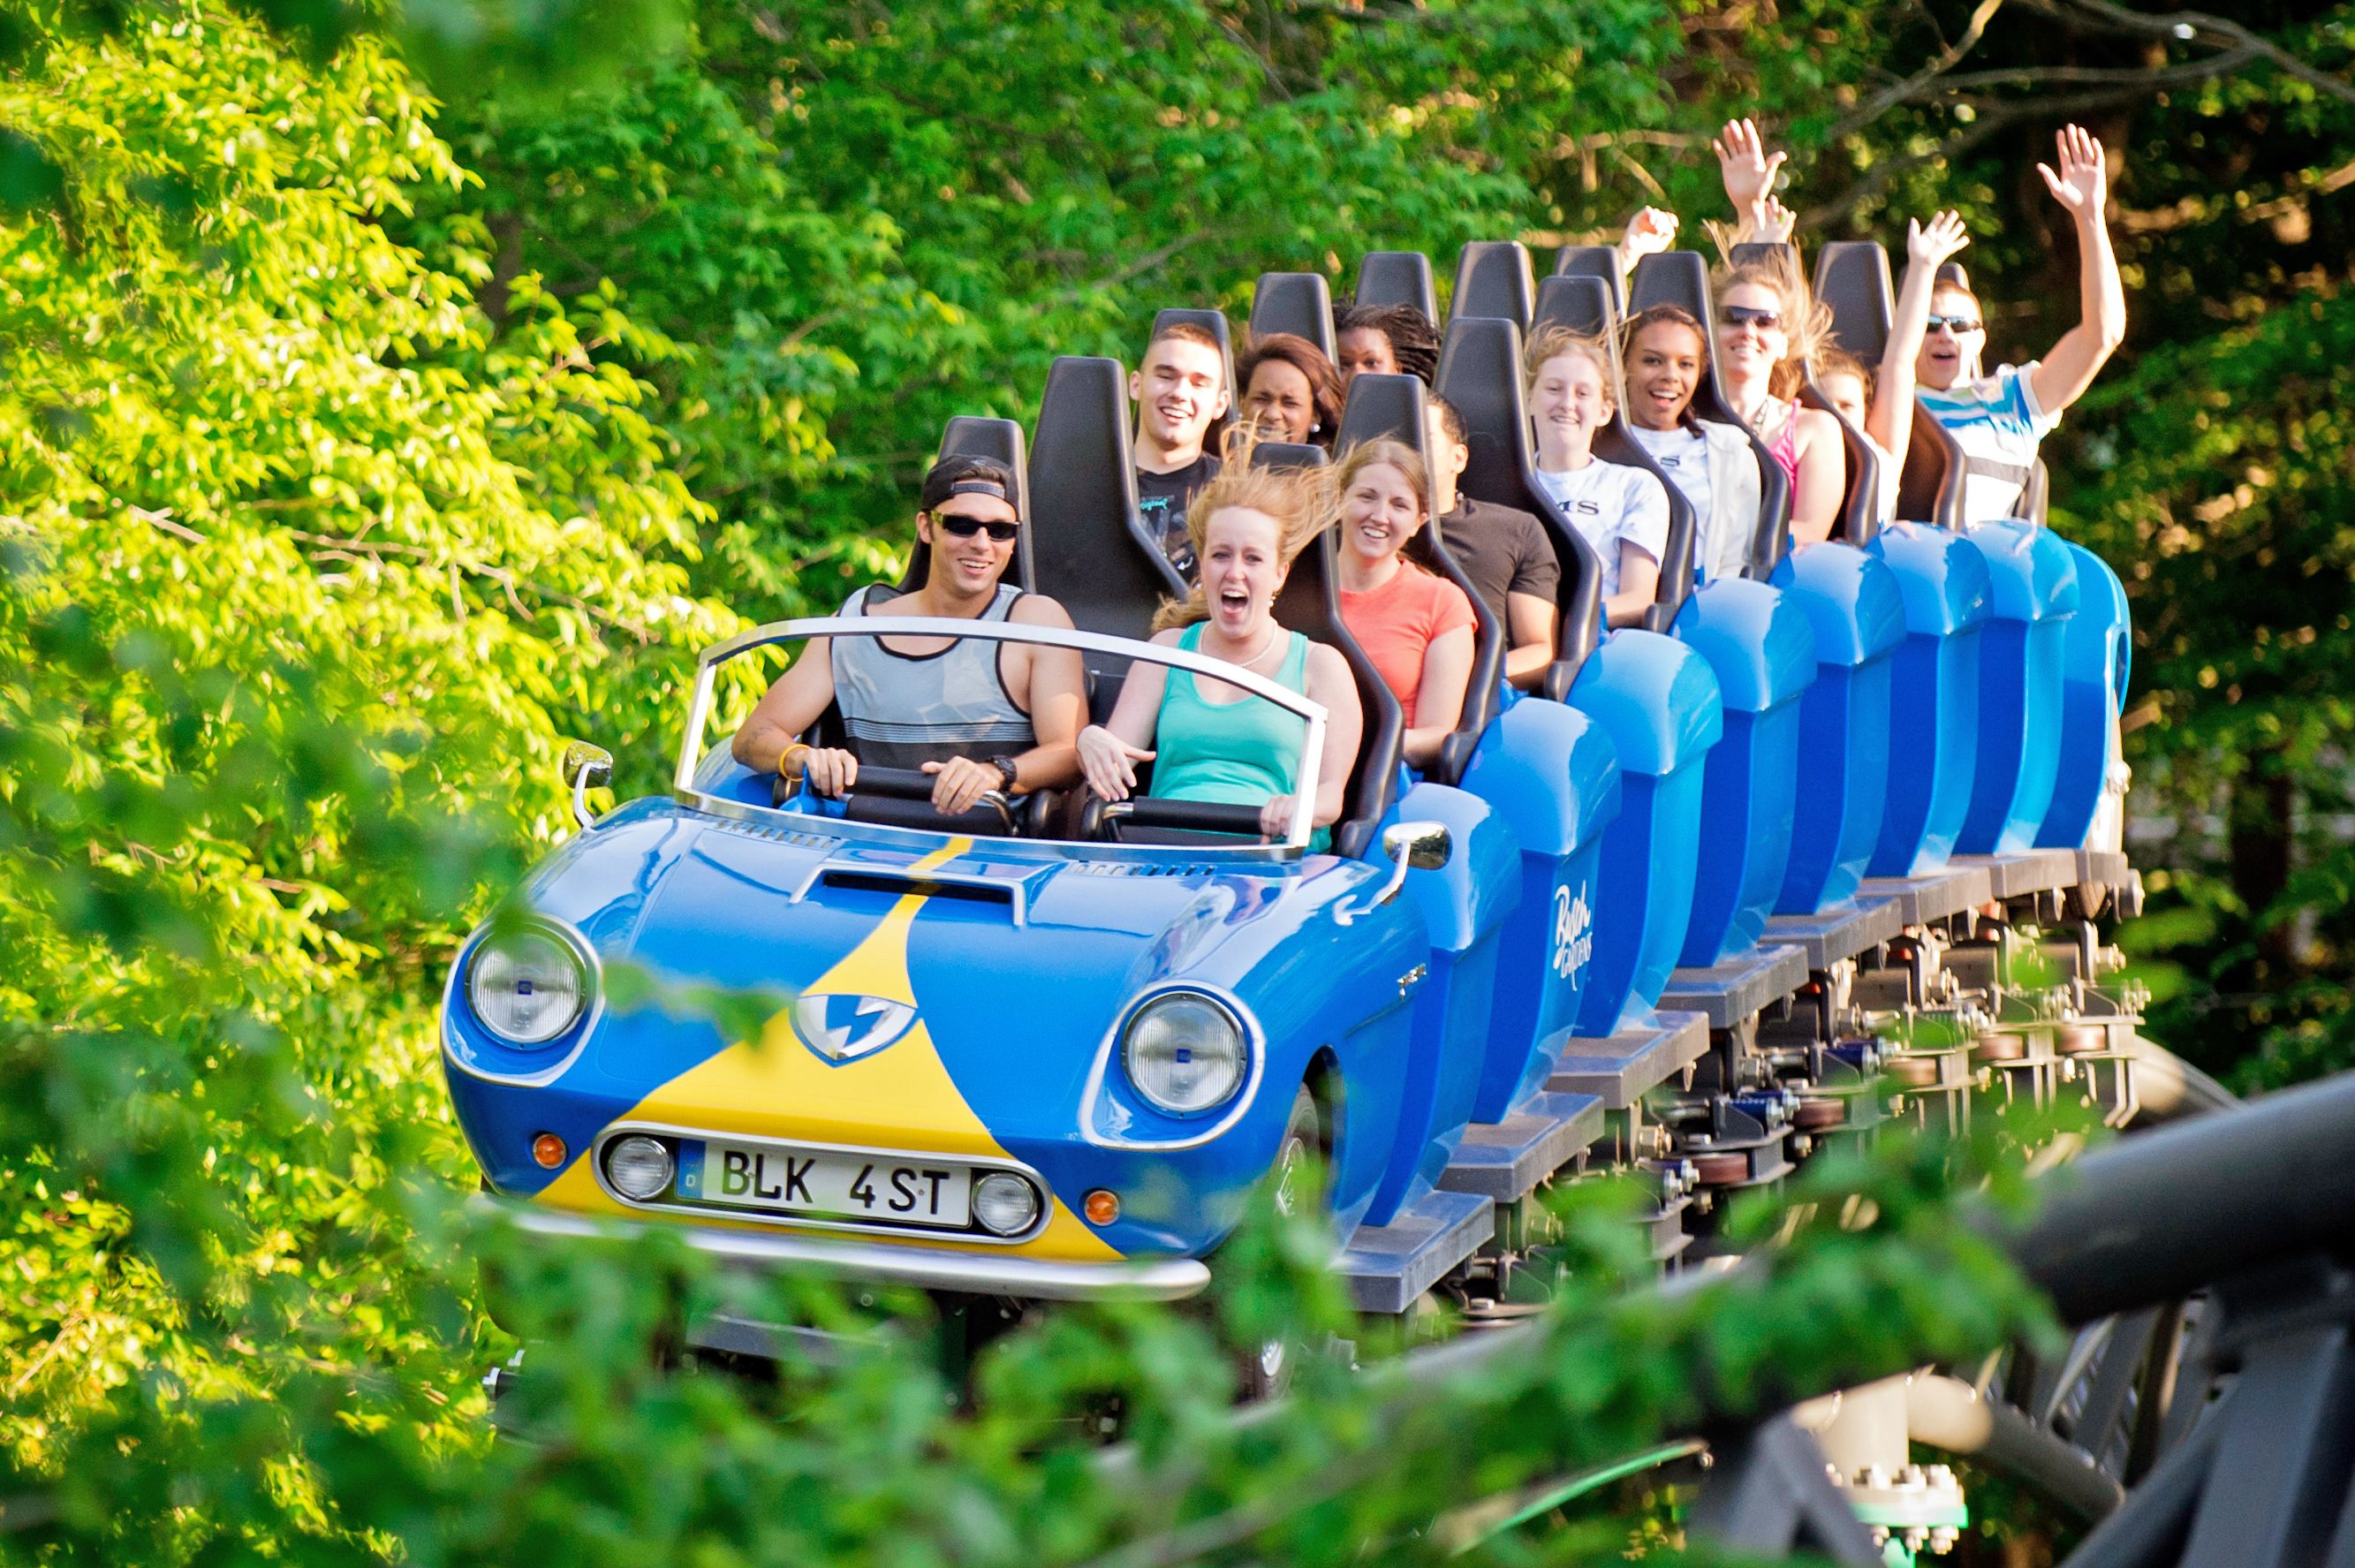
899,1098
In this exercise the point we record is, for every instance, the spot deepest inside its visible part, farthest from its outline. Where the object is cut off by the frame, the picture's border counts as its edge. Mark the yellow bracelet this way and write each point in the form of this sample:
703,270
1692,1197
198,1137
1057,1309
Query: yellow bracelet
787,756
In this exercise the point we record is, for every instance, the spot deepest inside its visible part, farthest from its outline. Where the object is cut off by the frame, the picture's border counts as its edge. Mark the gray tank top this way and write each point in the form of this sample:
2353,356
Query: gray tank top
902,711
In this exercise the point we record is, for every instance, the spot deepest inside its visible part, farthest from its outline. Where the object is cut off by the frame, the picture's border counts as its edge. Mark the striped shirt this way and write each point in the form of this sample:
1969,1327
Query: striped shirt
902,711
1998,425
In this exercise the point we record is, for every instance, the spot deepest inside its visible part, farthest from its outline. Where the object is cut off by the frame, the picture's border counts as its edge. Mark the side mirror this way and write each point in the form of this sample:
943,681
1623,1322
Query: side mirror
584,767
1423,845
1411,847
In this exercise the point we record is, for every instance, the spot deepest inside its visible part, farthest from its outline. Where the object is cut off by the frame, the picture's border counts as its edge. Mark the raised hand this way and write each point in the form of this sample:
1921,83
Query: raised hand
1926,246
1652,230
1775,223
1748,168
2083,183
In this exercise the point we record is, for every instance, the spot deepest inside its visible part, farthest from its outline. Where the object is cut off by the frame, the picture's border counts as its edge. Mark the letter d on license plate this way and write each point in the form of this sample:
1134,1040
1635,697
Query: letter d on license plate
882,1188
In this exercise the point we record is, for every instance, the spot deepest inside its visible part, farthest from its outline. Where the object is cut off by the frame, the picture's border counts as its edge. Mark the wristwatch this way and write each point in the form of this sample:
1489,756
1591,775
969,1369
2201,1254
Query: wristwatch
1007,770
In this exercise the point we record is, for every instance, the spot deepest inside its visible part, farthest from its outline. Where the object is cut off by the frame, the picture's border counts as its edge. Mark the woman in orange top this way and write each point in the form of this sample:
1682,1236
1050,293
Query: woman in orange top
1416,626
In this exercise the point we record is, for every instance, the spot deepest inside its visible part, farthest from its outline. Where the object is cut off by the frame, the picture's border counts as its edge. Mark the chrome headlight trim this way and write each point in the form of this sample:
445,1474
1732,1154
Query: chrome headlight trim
1199,1129
1238,1041
569,942
463,1057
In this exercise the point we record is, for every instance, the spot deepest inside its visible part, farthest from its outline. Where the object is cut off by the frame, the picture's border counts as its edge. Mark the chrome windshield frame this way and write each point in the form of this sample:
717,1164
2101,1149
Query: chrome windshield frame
698,712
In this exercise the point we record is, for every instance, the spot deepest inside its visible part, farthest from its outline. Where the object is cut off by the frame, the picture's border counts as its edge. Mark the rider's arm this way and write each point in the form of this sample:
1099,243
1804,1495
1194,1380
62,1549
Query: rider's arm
1890,419
1439,697
1823,477
791,705
1639,586
2082,187
1529,635
1108,751
1056,696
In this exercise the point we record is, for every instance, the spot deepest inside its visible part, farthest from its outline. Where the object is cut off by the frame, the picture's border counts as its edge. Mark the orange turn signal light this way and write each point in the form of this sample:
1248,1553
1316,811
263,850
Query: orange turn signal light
1102,1205
548,1149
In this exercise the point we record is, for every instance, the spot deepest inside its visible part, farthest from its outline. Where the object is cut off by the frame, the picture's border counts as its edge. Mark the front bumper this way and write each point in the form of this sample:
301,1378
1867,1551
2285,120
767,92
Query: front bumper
926,1268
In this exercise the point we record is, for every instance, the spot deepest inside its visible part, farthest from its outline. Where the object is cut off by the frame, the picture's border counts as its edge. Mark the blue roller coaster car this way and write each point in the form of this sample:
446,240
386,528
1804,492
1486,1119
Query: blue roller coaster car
991,1061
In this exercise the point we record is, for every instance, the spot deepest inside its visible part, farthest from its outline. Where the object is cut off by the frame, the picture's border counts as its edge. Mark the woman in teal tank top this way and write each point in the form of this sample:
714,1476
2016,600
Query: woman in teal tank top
1239,751
1225,746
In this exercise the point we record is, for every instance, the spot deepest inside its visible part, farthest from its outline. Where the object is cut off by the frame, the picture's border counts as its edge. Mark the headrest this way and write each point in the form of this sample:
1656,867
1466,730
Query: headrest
1288,455
1213,322
1583,305
1766,253
1397,277
1591,261
1297,303
1492,279
1852,280
1385,408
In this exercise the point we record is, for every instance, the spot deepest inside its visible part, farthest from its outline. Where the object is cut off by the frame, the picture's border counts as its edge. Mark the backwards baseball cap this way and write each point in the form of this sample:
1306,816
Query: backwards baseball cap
959,475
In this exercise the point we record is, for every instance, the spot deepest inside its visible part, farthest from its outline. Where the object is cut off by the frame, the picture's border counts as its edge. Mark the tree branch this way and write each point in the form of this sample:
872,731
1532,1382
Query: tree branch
1889,98
2187,25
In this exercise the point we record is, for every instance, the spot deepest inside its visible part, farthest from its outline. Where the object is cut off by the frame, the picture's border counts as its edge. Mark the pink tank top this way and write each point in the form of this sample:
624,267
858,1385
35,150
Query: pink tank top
1785,448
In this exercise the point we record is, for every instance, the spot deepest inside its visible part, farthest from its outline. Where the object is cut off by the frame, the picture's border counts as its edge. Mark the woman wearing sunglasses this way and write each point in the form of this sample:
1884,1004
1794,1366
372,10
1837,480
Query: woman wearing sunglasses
976,715
1765,321
1999,419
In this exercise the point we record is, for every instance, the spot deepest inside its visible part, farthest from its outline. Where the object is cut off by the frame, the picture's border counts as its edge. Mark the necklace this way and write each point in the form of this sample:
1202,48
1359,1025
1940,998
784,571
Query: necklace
1265,642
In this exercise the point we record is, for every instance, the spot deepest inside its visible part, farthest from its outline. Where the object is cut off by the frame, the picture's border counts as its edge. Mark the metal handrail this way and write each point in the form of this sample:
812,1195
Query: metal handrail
698,712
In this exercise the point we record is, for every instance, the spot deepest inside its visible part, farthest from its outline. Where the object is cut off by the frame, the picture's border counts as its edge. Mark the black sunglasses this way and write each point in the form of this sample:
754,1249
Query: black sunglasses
1957,324
965,528
1750,315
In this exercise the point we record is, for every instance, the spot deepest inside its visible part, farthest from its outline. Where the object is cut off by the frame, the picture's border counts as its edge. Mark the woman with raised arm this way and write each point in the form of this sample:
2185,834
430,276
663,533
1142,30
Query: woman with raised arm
1765,323
1622,511
1882,406
1215,741
1416,626
2001,418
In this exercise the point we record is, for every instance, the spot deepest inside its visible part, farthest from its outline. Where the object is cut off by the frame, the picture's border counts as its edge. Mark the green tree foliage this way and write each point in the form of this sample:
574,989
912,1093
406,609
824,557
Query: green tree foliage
354,453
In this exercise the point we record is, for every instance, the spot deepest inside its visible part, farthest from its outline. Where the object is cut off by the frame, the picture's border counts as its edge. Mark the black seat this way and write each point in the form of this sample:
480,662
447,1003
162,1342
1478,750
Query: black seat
1852,280
1492,279
1089,551
1584,304
1310,602
1480,374
973,436
1213,322
1391,408
1297,303
1397,277
1681,278
1593,262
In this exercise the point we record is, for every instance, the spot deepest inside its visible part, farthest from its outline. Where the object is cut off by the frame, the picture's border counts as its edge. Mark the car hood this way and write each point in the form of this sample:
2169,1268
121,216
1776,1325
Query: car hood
956,987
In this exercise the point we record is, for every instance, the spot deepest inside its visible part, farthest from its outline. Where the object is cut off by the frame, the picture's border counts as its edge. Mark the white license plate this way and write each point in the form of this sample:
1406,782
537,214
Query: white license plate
887,1189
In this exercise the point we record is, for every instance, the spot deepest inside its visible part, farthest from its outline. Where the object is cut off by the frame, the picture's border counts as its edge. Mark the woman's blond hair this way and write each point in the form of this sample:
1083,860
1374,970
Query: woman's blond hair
1301,500
1552,343
1805,322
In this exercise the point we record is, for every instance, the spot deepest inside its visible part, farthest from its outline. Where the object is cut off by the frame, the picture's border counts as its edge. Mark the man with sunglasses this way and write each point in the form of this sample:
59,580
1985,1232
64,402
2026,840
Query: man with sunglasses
977,715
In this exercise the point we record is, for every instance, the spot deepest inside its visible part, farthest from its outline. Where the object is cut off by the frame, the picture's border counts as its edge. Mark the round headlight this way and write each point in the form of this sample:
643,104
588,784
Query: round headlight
637,1166
1004,1203
527,985
1183,1052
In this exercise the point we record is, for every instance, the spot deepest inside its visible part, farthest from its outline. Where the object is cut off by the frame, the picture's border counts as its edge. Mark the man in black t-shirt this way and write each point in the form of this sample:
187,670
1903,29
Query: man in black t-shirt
1180,390
1503,550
